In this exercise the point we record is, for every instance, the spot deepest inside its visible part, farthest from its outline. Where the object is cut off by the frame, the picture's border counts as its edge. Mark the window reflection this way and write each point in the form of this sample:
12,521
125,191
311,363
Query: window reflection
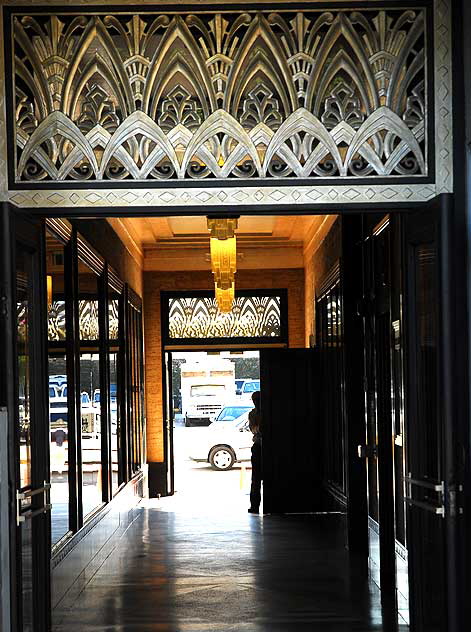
114,393
58,406
65,347
24,405
116,470
90,404
24,319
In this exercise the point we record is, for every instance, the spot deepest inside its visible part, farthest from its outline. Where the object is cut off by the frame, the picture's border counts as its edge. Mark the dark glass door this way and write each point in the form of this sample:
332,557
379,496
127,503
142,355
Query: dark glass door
30,473
426,478
292,431
379,390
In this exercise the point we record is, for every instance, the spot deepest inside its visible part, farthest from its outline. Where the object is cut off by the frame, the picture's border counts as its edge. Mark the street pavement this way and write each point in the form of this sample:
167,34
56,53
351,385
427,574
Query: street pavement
198,485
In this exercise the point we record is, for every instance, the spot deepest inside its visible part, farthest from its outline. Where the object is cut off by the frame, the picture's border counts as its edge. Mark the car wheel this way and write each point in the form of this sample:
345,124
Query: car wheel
221,458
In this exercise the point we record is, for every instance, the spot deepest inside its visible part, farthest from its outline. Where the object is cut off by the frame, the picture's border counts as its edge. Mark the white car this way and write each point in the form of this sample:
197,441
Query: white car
223,443
233,412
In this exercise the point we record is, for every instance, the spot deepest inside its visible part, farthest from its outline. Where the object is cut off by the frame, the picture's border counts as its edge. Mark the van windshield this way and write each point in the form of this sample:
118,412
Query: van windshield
207,390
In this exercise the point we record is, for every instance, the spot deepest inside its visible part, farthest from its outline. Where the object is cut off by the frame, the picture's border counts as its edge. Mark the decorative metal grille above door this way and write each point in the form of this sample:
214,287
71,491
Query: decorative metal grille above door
174,96
192,318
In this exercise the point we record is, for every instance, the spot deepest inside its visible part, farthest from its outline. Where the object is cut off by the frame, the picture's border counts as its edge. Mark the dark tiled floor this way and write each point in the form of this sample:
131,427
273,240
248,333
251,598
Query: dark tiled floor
181,572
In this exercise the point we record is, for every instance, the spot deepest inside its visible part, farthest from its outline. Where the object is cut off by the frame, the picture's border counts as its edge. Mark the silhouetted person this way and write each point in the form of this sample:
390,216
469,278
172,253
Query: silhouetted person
60,437
255,425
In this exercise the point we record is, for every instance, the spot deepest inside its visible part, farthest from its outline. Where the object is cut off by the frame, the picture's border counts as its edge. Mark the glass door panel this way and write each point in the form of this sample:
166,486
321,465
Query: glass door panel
57,388
23,336
425,488
116,466
90,395
114,394
30,432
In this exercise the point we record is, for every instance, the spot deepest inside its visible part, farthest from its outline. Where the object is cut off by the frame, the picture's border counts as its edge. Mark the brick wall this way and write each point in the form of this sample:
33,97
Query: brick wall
155,282
317,266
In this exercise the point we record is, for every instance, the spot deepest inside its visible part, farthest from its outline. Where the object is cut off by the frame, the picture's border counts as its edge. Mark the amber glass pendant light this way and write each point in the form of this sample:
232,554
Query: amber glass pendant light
223,260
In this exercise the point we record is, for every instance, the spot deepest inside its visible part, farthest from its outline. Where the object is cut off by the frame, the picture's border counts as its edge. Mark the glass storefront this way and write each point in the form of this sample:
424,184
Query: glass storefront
95,427
57,389
90,375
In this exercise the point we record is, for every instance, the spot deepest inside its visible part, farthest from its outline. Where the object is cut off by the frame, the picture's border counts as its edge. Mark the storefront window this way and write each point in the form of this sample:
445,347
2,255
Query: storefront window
115,391
90,396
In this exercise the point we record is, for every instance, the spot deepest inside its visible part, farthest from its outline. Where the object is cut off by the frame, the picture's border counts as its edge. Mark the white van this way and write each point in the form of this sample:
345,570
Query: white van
206,387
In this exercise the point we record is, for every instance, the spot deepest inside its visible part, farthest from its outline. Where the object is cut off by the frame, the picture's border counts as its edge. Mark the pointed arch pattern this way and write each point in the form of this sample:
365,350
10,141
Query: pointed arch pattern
312,94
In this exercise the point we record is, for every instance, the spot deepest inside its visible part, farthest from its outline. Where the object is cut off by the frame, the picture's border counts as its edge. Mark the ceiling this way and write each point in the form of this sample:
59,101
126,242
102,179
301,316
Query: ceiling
182,243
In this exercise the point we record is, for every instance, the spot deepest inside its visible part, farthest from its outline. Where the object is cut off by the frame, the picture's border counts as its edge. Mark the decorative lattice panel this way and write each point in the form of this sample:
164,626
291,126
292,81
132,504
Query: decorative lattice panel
269,95
113,318
56,321
251,317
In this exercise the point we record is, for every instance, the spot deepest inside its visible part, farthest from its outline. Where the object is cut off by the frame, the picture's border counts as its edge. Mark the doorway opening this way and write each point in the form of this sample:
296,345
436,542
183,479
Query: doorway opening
211,397
369,282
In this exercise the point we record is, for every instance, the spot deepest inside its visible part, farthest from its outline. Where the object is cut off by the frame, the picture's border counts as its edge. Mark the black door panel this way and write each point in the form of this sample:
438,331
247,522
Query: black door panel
426,525
292,437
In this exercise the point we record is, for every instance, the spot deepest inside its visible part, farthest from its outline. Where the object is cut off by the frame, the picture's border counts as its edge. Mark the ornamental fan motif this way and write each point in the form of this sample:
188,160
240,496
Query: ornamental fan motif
250,317
256,94
88,320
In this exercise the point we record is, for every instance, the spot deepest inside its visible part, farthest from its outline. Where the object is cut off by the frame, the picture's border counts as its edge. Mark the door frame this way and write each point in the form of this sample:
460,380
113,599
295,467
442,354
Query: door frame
29,233
7,400
165,478
161,475
453,242
454,370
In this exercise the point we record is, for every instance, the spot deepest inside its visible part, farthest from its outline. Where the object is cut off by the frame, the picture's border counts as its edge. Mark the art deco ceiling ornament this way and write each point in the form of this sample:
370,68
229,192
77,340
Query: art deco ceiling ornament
223,260
236,95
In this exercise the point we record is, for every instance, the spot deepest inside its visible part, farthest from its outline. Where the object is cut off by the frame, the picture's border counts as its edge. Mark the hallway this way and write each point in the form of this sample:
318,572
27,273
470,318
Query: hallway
175,569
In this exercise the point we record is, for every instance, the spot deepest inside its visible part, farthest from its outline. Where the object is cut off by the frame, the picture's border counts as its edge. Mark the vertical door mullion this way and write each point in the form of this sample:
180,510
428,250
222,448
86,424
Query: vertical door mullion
131,389
7,525
74,417
122,389
8,253
40,439
139,393
128,360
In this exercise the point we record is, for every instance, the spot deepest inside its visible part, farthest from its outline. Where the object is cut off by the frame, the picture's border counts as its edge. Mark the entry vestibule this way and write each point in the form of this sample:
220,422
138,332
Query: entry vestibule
134,124
342,304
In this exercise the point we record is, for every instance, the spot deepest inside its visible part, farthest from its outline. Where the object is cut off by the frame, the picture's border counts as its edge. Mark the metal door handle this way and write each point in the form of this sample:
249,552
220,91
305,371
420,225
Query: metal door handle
439,488
439,511
22,516
33,492
27,515
436,487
